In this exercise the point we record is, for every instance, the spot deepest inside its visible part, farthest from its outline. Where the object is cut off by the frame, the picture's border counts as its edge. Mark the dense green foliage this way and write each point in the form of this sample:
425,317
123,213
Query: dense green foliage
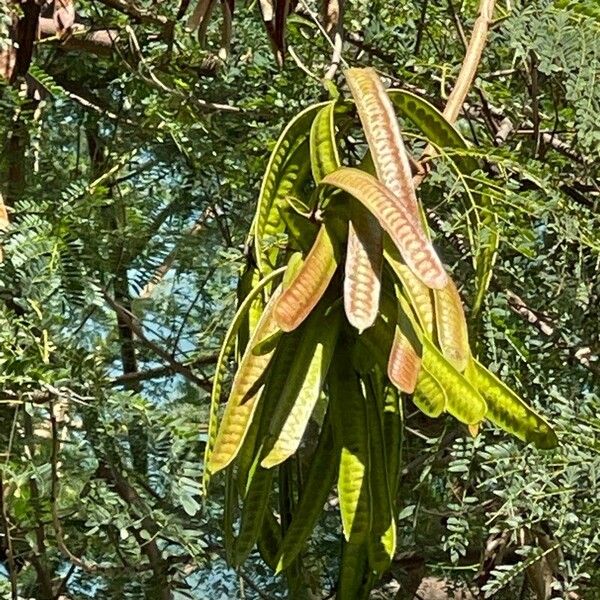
116,164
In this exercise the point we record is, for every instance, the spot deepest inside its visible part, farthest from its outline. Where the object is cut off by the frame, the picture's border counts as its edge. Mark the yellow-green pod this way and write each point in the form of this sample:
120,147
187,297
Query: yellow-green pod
354,573
429,396
382,537
317,486
239,321
463,401
418,293
508,411
451,326
350,429
304,382
254,508
245,392
289,163
324,155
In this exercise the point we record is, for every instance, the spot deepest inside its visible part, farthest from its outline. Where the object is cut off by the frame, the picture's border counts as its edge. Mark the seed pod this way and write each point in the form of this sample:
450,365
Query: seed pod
463,401
310,283
319,481
226,348
418,293
403,228
404,363
451,326
382,131
255,504
382,538
349,416
324,155
508,411
429,396
434,126
288,165
304,382
362,276
245,392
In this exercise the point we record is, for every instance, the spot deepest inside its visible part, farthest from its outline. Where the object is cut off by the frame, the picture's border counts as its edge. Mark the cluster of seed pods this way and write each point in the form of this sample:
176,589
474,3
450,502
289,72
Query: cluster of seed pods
346,312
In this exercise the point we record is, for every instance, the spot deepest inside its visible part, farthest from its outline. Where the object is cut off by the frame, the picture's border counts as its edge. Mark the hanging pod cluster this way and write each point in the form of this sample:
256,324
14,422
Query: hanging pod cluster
345,306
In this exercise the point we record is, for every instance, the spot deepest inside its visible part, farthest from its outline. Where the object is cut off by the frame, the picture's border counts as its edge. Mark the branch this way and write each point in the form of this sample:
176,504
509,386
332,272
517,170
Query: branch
99,41
176,366
167,264
471,61
161,371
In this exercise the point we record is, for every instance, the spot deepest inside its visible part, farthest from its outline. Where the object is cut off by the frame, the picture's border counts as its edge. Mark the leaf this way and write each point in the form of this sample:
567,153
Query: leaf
304,383
509,412
295,134
463,401
382,131
317,485
451,326
221,368
310,283
434,126
351,434
404,230
245,392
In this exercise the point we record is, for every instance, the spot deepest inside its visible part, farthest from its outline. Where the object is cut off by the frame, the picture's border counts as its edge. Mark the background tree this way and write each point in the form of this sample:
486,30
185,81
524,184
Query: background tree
131,155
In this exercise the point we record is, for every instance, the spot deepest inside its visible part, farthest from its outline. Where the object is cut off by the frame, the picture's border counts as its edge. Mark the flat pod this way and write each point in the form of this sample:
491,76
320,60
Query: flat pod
256,502
429,396
382,538
243,315
310,282
433,125
508,411
245,392
315,490
404,363
362,272
324,155
419,294
350,429
304,383
382,131
451,326
463,401
404,229
295,134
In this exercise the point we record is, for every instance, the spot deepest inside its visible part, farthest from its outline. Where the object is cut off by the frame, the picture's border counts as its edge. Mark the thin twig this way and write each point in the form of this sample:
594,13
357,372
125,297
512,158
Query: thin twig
176,366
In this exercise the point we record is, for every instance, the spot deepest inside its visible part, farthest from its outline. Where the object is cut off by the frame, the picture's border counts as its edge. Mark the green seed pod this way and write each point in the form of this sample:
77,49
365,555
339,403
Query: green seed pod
317,486
508,411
